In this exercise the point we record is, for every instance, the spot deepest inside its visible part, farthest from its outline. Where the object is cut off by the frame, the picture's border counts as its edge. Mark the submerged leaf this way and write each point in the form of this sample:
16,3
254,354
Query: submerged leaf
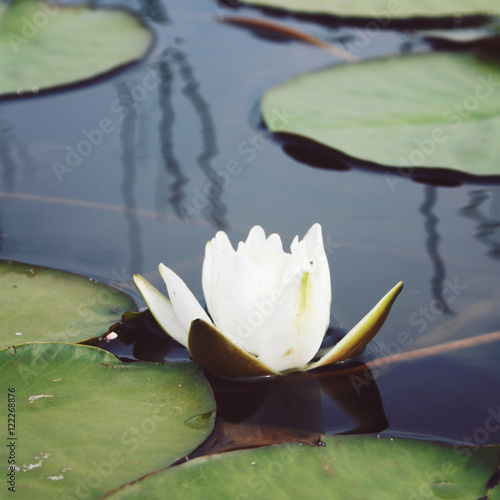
433,110
47,44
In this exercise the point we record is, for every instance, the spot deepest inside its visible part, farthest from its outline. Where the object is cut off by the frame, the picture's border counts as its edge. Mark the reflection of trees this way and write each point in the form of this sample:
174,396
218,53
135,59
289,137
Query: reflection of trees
171,57
486,227
128,182
166,129
6,158
432,244
154,10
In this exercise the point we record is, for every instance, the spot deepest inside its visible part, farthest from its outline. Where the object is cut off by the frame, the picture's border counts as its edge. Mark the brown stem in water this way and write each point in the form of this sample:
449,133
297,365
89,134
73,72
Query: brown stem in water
291,33
424,352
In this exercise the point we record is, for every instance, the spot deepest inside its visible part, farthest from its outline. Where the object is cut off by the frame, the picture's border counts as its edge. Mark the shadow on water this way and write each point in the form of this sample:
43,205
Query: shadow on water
432,245
486,227
127,139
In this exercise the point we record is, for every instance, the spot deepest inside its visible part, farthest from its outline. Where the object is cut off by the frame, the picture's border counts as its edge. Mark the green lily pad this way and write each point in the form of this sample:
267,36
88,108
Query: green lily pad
86,422
435,110
395,9
41,304
354,467
45,44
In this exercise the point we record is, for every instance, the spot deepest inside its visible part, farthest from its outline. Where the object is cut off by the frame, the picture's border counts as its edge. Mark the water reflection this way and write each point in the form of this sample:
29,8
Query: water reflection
166,129
297,402
432,245
344,400
208,199
487,228
154,10
127,139
210,148
6,157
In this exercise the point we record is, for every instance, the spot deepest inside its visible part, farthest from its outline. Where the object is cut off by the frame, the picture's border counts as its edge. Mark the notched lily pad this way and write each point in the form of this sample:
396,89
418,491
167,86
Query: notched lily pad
46,44
378,468
42,304
438,111
86,422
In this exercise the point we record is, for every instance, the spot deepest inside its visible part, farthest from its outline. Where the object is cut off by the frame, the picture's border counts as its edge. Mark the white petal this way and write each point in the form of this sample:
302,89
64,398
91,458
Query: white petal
218,254
255,239
162,310
315,250
273,244
293,333
185,305
206,275
234,284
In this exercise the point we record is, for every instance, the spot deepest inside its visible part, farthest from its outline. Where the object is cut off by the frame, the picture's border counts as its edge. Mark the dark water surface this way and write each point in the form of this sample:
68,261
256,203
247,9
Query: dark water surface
144,194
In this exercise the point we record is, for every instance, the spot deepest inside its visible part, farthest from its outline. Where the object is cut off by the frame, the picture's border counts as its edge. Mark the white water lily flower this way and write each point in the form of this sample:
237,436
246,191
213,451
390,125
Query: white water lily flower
268,310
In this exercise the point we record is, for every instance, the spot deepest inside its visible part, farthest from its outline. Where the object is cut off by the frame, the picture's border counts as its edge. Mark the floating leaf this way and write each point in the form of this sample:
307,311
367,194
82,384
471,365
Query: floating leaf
434,110
397,9
45,44
86,422
51,305
345,467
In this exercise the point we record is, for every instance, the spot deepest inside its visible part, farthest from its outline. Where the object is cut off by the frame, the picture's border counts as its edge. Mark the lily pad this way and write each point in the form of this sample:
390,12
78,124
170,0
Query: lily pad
41,304
395,9
45,45
86,422
345,467
433,110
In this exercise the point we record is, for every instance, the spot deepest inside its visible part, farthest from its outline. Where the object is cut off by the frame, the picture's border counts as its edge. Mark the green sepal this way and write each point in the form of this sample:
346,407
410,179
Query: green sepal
357,339
215,352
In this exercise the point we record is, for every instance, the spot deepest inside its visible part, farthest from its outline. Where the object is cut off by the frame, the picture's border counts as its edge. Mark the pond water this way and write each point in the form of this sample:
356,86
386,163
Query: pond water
144,193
